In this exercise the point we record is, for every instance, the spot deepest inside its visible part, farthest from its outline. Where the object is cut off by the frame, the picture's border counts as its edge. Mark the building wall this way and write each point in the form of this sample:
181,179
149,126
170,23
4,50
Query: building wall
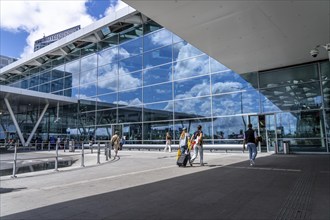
146,81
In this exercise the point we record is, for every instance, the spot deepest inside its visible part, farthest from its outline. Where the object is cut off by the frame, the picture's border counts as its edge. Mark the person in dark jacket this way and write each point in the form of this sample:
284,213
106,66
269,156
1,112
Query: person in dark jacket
250,140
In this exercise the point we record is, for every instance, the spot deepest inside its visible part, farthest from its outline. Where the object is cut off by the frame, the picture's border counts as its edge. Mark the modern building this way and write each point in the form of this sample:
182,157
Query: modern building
4,60
46,40
127,72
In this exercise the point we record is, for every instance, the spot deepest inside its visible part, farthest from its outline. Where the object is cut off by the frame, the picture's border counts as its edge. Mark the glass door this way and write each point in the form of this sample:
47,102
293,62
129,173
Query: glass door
265,126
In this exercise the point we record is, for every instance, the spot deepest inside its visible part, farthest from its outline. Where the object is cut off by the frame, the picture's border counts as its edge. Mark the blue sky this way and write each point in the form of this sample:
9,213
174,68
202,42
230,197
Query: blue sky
24,21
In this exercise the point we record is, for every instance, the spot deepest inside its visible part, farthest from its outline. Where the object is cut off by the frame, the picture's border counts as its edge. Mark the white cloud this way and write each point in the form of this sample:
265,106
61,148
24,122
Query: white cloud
39,18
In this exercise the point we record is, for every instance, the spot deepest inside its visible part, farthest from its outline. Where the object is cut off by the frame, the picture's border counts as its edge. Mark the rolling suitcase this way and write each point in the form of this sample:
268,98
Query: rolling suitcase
183,159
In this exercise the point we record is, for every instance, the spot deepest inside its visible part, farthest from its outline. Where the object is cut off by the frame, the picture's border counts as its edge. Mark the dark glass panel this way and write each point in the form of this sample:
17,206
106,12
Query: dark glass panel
34,81
133,133
106,116
157,75
67,82
192,108
154,133
45,77
184,50
325,70
130,114
130,33
191,67
157,57
326,93
151,26
292,97
130,81
44,88
157,39
194,87
86,105
156,93
87,119
56,85
131,64
130,97
292,75
158,111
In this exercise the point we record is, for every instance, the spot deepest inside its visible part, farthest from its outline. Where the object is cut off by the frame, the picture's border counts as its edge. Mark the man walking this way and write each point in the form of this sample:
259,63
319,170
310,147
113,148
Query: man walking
250,141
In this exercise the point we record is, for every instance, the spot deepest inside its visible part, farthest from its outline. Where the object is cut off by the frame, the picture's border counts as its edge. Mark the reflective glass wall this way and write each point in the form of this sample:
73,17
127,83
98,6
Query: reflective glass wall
146,81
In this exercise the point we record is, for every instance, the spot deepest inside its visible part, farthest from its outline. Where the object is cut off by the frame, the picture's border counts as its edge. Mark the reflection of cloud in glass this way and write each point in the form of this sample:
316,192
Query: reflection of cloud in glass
222,87
133,102
162,38
88,63
191,67
84,97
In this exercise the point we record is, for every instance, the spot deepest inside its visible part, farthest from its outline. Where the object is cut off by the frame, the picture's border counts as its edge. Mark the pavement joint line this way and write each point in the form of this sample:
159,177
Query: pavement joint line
109,177
265,168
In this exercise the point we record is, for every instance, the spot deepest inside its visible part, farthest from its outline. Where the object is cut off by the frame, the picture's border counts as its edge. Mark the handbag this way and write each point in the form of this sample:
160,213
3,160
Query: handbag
178,154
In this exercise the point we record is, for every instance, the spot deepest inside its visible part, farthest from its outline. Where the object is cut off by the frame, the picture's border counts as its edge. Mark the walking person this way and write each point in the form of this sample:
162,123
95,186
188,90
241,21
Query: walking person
183,142
250,140
115,142
198,147
168,142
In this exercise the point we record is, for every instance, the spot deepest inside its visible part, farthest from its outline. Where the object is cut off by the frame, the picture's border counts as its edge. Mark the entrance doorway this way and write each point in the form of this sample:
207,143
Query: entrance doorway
265,126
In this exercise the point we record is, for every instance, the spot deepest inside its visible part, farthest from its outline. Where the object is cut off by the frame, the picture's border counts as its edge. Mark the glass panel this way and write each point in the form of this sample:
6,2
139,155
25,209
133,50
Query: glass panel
161,92
107,101
73,92
133,133
293,75
57,85
326,93
108,78
130,97
67,82
195,87
157,39
325,70
45,77
130,81
157,57
176,38
215,66
292,97
44,88
103,133
228,81
236,103
130,33
88,76
72,69
229,130
184,50
87,90
131,114
107,116
87,105
89,62
130,48
34,81
58,73
131,64
191,67
87,119
157,75
154,133
108,56
192,108
191,126
158,111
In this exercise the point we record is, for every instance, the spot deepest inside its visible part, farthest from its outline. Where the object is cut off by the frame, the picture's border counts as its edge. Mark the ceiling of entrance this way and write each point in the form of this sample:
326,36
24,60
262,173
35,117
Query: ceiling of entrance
246,36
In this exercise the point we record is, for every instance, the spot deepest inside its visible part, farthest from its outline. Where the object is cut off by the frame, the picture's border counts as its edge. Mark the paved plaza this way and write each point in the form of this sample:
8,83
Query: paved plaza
149,185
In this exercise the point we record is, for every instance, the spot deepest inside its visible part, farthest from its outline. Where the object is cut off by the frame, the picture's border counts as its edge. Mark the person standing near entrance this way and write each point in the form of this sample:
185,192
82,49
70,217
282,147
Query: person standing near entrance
250,140
115,142
168,142
198,147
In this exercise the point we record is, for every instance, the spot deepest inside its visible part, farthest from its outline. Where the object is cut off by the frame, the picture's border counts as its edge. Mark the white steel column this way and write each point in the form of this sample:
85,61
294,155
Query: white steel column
36,125
15,122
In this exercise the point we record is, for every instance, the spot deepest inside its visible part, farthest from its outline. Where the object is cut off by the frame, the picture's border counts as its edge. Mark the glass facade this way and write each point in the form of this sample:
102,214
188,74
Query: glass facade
145,81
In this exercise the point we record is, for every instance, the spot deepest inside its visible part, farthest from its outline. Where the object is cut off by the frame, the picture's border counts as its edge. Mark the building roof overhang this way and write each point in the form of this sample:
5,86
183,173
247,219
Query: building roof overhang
246,36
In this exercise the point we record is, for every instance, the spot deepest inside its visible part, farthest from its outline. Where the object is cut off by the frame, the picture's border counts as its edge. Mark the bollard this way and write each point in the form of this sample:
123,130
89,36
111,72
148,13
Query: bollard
14,163
82,155
56,158
98,153
106,149
48,146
